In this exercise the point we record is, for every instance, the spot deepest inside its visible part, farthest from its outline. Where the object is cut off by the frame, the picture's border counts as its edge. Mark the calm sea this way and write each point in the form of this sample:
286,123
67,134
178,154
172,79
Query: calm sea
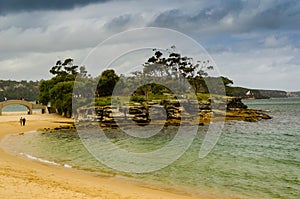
14,108
17,108
255,160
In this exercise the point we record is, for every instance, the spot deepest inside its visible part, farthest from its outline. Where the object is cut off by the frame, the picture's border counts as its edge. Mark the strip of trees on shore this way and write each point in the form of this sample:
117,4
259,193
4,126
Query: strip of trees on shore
161,74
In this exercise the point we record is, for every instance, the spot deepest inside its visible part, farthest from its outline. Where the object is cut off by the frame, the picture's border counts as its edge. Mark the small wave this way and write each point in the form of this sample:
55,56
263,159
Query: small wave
44,161
67,166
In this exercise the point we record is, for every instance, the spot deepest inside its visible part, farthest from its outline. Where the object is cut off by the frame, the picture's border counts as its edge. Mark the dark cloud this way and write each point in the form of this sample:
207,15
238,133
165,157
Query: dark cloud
215,13
8,6
124,22
284,15
206,16
118,23
247,16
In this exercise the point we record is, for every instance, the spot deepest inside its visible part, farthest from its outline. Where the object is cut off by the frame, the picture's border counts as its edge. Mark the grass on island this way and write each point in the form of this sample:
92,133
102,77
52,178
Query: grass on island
132,100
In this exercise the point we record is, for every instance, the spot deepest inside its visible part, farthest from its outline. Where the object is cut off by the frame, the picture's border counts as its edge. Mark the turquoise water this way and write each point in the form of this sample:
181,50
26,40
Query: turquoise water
255,160
17,108
14,108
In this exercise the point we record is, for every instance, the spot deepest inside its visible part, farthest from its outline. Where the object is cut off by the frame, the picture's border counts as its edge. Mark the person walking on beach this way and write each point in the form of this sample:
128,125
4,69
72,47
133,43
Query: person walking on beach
24,121
21,121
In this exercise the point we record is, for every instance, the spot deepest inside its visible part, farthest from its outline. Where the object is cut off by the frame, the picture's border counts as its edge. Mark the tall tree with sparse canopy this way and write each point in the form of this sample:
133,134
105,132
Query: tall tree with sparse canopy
176,67
58,91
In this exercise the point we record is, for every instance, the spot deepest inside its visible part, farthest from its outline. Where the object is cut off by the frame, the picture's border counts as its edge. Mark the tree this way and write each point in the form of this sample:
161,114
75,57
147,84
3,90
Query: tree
177,67
59,89
61,97
227,81
64,71
107,81
45,87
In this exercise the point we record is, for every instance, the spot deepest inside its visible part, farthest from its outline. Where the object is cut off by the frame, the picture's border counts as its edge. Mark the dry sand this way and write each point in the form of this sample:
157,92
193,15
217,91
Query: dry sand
23,178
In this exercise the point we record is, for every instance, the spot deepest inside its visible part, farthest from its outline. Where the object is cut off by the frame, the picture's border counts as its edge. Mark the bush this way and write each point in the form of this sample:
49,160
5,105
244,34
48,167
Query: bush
137,99
103,101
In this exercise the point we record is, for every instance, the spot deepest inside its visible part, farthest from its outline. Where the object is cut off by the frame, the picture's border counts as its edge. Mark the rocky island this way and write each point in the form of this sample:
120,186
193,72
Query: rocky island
171,113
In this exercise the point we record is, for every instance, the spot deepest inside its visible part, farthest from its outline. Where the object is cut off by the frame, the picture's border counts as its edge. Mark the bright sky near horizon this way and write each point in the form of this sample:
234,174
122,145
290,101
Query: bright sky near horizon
256,43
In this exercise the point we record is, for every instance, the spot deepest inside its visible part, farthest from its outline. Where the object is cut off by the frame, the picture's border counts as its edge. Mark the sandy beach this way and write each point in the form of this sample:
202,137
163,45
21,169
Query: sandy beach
24,178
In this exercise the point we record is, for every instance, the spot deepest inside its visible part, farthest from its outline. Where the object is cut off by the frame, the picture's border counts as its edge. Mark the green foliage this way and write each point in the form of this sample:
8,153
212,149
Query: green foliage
236,91
177,67
84,87
180,74
58,91
61,97
158,89
13,90
160,97
107,82
227,81
203,96
44,88
103,101
137,99
162,76
65,69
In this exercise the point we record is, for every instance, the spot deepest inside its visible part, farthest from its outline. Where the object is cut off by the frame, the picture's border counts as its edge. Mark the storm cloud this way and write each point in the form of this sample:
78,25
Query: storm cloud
234,15
8,6
256,43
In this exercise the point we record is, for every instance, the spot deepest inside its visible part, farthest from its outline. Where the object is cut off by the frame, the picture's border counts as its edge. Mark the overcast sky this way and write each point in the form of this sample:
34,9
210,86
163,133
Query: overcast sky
255,43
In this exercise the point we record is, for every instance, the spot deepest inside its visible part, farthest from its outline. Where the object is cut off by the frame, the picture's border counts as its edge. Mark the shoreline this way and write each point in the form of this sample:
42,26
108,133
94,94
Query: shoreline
42,180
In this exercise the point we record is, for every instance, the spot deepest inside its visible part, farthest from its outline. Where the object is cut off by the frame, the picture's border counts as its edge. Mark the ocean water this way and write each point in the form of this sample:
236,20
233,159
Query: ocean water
14,108
251,160
17,108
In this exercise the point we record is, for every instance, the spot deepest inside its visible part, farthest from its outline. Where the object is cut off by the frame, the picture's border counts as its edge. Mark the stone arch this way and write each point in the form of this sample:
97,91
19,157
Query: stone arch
28,105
